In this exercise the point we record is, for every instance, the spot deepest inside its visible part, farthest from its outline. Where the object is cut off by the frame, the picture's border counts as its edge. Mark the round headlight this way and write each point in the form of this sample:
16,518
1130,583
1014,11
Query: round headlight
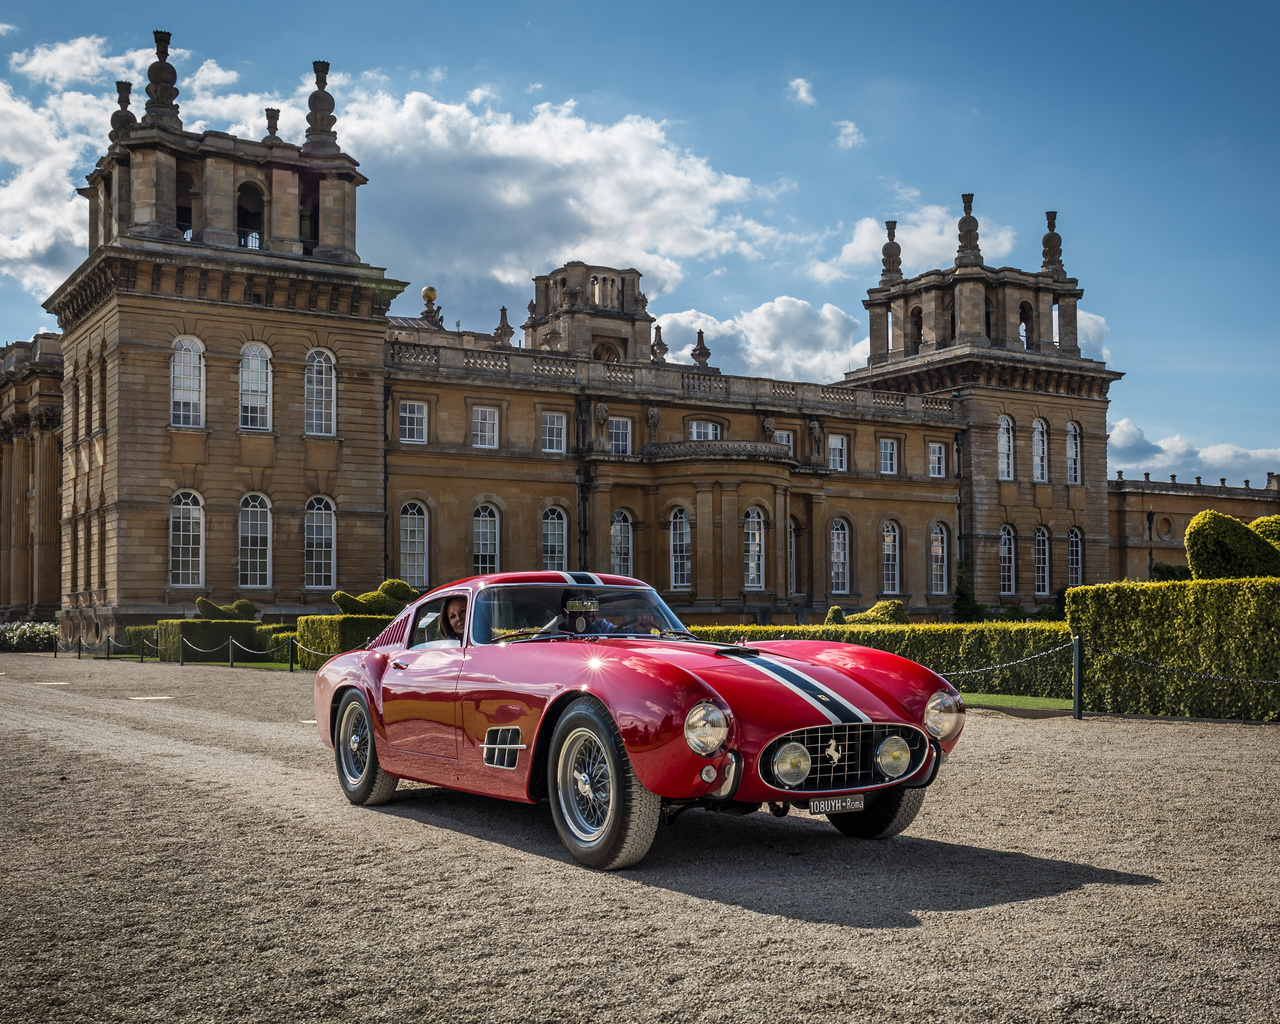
791,764
944,715
706,728
893,756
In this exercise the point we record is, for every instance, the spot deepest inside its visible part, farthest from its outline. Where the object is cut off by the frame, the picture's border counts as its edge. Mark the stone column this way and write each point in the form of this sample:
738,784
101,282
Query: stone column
283,230
1068,329
704,544
19,528
6,513
879,317
601,511
730,582
775,578
46,585
219,202
817,571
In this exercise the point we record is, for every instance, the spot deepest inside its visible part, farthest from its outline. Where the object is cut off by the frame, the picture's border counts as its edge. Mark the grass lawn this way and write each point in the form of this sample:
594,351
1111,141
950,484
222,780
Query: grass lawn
1004,700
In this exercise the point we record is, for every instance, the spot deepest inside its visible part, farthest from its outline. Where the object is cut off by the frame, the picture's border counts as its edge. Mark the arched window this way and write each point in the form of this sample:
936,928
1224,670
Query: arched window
321,393
1004,448
620,543
1073,453
484,540
753,550
249,207
1008,578
917,329
413,544
255,388
255,541
1075,557
554,540
938,567
889,550
186,385
1025,324
839,556
1042,560
1040,451
319,544
186,540
681,551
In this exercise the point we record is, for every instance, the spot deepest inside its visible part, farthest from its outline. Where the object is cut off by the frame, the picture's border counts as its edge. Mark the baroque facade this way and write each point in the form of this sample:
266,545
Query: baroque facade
238,416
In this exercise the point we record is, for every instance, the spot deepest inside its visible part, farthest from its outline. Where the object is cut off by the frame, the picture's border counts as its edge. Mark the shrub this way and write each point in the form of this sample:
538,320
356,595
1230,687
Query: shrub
1268,527
240,609
28,636
835,616
1163,572
1228,628
134,635
270,639
966,607
1221,547
334,634
886,612
947,649
389,599
206,639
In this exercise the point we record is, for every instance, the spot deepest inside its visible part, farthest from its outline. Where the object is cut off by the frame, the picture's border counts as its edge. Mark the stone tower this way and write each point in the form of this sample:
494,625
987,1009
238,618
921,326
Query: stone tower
223,359
592,313
1031,465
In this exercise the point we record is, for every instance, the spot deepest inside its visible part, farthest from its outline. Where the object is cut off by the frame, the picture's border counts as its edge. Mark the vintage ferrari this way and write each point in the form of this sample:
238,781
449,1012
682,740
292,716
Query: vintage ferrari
587,691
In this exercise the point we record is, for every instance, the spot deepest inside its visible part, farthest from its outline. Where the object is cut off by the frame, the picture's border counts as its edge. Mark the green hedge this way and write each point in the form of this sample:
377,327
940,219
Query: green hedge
1227,627
269,636
948,649
208,635
1268,527
1222,547
134,635
334,634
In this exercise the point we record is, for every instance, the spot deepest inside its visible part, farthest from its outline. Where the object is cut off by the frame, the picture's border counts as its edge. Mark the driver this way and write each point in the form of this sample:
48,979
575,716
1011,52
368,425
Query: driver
453,618
581,615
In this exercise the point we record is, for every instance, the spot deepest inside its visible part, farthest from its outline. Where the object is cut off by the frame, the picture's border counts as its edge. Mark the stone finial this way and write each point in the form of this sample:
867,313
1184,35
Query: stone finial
321,138
658,349
891,255
968,255
502,333
700,352
1052,243
162,89
273,123
431,313
122,120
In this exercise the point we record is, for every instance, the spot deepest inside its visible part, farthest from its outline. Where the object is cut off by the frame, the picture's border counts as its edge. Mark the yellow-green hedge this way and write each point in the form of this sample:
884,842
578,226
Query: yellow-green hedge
1222,547
207,635
1226,627
948,649
334,634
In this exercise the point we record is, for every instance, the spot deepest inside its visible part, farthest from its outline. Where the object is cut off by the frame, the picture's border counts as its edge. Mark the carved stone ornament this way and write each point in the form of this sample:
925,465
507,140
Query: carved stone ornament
162,89
1051,243
47,418
642,301
766,428
658,349
122,120
815,433
602,413
321,138
891,255
431,313
968,254
700,352
502,333
273,124
653,416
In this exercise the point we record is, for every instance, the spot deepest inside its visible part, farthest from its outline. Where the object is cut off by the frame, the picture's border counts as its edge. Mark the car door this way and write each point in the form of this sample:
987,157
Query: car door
420,687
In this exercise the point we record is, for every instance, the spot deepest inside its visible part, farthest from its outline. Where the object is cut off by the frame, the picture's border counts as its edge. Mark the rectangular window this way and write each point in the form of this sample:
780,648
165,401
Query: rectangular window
704,430
255,545
185,563
619,436
937,459
553,432
413,422
1075,558
888,456
317,558
837,450
484,427
553,541
681,551
787,438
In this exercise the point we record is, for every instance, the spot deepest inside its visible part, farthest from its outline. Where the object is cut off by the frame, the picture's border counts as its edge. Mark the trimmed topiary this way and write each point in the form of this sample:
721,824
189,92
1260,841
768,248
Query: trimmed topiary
241,609
1268,527
1163,572
889,613
835,616
389,599
1222,547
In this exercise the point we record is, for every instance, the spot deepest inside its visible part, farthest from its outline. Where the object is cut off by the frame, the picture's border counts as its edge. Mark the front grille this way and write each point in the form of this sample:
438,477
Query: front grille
854,747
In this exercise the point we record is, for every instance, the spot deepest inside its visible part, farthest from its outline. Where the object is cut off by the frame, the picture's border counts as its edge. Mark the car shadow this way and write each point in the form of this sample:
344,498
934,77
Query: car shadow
793,867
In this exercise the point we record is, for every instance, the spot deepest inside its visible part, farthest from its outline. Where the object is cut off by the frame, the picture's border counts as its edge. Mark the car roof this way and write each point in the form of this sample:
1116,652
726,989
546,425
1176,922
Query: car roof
545,577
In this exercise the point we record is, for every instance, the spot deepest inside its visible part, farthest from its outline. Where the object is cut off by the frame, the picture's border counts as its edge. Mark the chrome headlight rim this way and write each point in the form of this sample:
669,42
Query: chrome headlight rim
893,756
943,716
791,751
706,728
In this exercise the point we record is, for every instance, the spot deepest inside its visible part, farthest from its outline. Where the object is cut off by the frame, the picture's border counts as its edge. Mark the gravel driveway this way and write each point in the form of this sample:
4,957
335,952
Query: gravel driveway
194,859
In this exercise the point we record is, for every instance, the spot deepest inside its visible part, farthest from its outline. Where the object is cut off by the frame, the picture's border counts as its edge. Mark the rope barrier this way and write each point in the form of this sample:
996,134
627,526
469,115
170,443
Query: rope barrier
1007,664
1181,671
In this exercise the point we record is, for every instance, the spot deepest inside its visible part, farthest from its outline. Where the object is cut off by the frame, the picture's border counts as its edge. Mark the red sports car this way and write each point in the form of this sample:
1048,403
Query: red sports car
585,689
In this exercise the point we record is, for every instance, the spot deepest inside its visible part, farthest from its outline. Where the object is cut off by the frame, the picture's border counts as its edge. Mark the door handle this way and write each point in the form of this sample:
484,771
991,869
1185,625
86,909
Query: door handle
398,664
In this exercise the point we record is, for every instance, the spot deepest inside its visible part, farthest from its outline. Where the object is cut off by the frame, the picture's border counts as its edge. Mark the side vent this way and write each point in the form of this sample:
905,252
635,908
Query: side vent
502,748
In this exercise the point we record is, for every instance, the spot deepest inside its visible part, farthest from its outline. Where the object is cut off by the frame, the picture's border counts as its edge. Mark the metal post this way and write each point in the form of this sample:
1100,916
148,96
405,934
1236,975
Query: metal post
290,654
79,646
1077,677
108,648
182,651
231,653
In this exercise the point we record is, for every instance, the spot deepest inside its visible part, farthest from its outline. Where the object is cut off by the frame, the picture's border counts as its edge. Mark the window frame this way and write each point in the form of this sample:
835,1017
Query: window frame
619,433
266,549
479,559
1040,547
1008,561
939,449
319,505
406,542
889,447
710,428
1004,449
1039,451
838,443
1073,440
320,410
197,517
790,441
680,547
839,576
553,517
479,421
1075,557
753,547
620,540
939,566
194,415
411,420
267,394
890,558
563,428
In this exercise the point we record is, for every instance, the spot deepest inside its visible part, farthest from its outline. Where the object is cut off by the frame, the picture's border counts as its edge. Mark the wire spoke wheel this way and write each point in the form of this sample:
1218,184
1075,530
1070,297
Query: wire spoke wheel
586,785
353,743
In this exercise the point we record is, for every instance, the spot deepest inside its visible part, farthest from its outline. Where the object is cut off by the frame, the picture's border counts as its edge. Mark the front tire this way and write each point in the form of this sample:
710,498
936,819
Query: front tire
605,816
887,813
361,777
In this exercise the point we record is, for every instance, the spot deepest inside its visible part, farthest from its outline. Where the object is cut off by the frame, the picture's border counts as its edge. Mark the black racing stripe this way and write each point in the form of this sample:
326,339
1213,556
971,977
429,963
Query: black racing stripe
836,707
583,577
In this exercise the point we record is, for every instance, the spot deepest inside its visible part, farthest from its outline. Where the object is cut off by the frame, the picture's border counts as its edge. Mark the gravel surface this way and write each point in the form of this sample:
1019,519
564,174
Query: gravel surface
194,859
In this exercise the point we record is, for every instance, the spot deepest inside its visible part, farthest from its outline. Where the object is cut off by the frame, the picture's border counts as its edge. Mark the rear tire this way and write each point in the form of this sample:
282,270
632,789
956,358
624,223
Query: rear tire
361,777
887,813
605,816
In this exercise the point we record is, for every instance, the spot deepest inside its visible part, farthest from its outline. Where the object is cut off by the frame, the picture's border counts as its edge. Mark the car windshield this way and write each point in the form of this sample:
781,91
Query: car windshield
554,610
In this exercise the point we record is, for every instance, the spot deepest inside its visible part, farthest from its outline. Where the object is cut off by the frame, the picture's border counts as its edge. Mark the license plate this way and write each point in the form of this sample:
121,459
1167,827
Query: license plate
837,804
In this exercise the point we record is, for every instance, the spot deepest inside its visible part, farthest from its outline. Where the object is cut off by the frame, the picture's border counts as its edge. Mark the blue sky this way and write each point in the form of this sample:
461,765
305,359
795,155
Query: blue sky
743,156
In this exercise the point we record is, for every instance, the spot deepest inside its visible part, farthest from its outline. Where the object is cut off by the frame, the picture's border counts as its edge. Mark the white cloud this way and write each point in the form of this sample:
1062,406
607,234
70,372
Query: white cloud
1130,451
802,91
83,60
210,75
6,29
928,237
849,135
533,87
437,74
1091,333
480,94
786,338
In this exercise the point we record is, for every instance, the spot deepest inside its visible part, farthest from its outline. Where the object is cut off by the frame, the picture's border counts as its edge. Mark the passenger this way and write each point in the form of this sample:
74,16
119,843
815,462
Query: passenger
580,616
453,618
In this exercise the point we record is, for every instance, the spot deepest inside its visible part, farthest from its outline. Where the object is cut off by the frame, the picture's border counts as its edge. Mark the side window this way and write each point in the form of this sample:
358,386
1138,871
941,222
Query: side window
428,626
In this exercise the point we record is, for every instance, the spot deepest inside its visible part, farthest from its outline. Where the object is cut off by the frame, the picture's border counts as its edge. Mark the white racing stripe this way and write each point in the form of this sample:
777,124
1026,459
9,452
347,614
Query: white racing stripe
836,708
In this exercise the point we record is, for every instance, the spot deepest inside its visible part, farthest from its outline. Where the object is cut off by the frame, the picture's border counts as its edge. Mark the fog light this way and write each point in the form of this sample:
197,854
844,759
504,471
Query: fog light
709,773
791,764
893,756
